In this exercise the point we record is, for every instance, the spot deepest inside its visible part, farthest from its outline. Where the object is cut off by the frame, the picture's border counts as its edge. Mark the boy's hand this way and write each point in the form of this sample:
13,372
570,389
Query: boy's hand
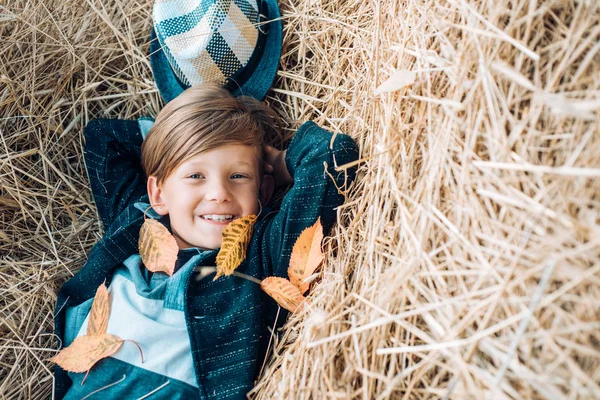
275,165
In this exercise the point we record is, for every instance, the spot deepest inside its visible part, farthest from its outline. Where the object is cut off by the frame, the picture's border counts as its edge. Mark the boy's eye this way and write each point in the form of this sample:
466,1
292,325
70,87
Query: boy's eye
238,176
195,176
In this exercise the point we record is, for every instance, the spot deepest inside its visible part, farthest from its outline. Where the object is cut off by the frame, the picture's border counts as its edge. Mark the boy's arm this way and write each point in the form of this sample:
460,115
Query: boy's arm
310,160
113,160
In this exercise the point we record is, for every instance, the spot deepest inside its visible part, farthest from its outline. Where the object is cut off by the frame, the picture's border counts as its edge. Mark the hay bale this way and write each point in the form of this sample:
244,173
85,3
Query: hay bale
467,260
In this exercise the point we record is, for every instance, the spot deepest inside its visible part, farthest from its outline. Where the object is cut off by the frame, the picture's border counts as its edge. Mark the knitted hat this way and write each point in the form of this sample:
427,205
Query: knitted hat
233,42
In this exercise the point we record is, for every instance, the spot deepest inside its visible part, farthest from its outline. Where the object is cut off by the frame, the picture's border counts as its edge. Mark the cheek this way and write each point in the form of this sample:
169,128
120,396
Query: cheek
249,200
183,203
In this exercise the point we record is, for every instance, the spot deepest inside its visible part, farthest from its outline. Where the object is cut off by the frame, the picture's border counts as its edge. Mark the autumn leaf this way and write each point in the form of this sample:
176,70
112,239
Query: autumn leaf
158,247
85,351
306,256
284,292
98,321
236,237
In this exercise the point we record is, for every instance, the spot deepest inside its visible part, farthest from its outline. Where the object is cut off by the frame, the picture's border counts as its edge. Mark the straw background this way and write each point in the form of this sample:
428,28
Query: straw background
466,264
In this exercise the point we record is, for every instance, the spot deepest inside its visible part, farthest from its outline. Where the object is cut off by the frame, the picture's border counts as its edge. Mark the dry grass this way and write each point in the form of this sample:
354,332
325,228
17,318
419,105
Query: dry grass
467,264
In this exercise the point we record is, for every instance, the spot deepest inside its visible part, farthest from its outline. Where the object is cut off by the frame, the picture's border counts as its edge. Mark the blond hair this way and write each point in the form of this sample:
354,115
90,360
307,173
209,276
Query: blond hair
200,119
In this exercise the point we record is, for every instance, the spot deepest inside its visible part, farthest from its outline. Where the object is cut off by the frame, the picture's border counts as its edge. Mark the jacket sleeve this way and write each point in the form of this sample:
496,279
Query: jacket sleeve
113,161
311,159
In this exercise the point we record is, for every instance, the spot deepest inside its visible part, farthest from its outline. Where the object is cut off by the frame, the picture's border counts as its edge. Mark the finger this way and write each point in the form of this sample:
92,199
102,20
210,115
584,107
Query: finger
268,153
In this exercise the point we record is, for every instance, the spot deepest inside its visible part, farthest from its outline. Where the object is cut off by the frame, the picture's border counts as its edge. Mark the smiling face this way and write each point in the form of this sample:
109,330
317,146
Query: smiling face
206,192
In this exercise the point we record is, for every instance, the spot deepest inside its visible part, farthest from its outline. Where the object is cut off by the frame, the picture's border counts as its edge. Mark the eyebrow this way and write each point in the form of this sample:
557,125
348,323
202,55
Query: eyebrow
202,163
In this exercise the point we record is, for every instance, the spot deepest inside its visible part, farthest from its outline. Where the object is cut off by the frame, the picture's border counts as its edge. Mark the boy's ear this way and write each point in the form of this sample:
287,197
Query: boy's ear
155,195
267,186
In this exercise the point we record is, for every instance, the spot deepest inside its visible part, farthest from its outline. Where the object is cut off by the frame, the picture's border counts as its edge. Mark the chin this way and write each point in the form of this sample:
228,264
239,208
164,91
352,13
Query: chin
200,245
209,246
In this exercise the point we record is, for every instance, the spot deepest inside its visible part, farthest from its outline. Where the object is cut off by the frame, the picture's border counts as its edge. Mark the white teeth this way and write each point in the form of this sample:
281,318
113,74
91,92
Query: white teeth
216,217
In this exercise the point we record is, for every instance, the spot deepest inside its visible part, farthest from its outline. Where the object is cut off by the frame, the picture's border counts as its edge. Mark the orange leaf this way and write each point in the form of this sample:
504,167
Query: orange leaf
236,237
158,247
85,351
98,321
306,255
283,291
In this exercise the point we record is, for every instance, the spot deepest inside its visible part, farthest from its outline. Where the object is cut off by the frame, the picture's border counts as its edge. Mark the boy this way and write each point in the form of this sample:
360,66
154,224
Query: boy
204,163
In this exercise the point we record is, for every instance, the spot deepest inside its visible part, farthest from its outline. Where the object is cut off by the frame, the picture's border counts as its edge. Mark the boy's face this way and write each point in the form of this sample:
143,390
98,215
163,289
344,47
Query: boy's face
207,192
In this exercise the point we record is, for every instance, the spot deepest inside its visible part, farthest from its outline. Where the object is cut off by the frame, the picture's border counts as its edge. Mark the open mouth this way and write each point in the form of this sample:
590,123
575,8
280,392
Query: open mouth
218,217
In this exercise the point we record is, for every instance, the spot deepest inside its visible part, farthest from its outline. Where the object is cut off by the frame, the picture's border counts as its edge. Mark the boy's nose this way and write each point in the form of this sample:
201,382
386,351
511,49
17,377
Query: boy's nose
218,191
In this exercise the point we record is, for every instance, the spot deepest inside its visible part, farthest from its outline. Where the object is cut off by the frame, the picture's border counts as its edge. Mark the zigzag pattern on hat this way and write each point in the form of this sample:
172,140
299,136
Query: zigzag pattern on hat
206,40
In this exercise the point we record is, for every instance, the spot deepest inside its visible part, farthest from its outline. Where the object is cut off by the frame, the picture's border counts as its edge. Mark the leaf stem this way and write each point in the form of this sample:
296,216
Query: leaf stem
139,348
247,277
85,377
208,270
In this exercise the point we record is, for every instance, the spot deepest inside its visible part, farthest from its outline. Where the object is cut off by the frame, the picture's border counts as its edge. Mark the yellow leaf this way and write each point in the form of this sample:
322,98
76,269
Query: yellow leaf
158,247
284,292
98,321
236,237
85,351
306,255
